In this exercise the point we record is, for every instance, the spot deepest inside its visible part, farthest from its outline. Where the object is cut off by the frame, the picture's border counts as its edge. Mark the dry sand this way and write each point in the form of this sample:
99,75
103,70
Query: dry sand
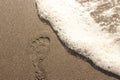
30,50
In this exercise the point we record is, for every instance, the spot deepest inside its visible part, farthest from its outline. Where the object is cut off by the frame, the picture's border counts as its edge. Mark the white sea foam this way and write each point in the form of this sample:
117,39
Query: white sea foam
77,29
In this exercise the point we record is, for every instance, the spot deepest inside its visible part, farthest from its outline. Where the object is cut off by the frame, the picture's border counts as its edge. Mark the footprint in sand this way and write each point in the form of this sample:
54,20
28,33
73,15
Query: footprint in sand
40,47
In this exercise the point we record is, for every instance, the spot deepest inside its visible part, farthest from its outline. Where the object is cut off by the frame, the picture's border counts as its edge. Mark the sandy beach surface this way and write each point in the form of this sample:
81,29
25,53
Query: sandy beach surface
30,50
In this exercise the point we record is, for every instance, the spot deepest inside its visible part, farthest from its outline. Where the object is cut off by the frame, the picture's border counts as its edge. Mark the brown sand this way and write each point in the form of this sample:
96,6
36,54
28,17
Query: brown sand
30,50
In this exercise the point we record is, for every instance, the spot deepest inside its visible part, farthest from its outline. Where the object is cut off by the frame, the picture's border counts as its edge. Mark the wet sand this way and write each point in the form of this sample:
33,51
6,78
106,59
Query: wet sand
30,50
